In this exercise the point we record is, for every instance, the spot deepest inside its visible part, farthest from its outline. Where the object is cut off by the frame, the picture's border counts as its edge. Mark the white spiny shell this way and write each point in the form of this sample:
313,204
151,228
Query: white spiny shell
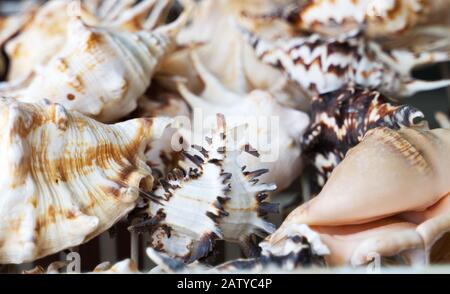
210,197
66,178
320,65
183,219
100,72
274,130
380,17
389,195
50,23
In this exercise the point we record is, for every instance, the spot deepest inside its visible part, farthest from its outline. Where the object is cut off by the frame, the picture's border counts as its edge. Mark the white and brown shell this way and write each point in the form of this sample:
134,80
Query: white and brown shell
238,68
390,195
320,65
379,18
51,22
274,129
209,197
340,120
66,178
100,71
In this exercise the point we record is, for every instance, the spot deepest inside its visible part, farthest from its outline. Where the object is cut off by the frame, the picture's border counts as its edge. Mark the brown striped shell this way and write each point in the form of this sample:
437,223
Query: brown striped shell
319,65
389,195
50,22
66,178
340,120
99,71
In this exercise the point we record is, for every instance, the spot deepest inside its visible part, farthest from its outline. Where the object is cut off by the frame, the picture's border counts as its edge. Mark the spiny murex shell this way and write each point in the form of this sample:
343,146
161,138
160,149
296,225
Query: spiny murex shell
101,72
66,178
320,65
274,129
340,121
209,197
305,255
389,195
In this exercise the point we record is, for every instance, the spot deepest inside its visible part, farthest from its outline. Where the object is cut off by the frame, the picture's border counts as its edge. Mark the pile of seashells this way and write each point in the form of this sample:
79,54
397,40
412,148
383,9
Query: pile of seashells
188,119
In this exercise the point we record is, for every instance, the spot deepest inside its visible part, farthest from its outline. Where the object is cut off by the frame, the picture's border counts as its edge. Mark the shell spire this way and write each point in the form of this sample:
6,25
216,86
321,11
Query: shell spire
58,193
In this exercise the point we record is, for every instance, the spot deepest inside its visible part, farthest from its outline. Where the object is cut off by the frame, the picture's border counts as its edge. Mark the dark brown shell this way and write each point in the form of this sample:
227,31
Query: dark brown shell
340,119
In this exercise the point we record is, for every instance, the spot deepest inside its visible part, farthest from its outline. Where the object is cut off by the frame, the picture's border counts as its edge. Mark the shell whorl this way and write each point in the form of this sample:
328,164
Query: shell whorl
400,145
67,178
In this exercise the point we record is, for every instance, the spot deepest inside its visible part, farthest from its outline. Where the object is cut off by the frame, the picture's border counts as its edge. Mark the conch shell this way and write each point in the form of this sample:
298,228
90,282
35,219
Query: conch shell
379,18
100,72
66,177
209,197
274,129
388,196
320,65
51,22
340,121
212,25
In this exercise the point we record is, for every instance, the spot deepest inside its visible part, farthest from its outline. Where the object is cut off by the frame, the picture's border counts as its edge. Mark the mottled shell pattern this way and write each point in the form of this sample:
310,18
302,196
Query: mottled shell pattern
66,178
380,17
320,65
263,112
340,120
405,210
209,197
100,71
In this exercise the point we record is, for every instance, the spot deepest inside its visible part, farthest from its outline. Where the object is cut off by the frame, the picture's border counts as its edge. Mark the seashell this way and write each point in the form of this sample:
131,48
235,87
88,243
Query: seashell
340,121
209,197
379,18
100,72
126,266
238,69
67,178
53,268
274,130
304,257
51,22
10,24
389,195
320,65
161,156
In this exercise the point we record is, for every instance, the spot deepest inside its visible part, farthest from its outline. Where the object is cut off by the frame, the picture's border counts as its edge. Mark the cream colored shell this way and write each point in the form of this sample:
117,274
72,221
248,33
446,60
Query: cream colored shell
66,178
389,195
101,72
